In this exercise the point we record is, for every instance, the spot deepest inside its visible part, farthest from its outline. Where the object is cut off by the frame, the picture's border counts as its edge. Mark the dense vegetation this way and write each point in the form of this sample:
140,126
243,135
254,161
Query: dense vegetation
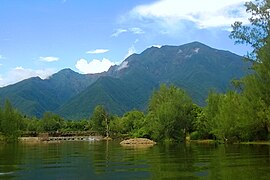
242,114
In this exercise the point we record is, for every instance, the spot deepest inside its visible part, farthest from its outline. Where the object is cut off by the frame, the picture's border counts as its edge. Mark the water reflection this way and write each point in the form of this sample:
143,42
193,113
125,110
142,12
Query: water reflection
10,159
109,160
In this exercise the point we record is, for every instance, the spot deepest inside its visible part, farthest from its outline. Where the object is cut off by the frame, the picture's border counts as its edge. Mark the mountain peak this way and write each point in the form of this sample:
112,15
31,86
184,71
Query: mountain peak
196,44
66,70
63,72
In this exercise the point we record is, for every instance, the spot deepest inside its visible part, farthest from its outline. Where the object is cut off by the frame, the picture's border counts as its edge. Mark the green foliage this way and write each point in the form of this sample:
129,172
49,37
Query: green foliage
170,114
100,120
227,120
201,126
257,91
51,122
132,123
10,122
33,124
195,135
257,31
82,125
245,116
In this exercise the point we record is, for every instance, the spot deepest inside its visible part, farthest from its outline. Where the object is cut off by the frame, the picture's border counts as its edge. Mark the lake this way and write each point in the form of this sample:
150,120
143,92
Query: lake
102,160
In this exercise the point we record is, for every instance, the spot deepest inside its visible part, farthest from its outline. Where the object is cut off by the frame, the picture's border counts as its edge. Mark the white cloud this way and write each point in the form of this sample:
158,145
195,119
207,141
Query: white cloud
19,73
49,59
131,51
118,32
157,45
97,51
204,14
136,30
123,65
94,66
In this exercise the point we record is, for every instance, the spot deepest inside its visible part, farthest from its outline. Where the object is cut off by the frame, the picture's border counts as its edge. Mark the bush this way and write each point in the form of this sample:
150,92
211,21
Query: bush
194,135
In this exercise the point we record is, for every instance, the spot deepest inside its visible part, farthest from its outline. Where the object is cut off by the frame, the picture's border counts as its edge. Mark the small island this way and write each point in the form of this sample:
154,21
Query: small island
138,142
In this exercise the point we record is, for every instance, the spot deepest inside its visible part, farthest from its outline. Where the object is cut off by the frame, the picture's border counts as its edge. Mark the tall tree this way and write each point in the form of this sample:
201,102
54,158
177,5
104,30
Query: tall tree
170,114
100,120
257,91
10,122
256,32
257,85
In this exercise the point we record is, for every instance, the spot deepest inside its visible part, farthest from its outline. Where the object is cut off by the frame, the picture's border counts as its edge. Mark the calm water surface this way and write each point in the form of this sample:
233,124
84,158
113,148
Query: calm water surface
101,160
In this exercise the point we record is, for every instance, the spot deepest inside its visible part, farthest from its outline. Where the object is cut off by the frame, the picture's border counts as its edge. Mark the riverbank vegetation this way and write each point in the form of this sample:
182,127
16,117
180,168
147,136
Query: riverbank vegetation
241,114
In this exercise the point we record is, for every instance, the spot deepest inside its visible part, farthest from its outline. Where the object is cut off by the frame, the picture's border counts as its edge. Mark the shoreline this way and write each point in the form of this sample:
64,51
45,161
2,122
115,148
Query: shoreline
33,140
211,141
59,139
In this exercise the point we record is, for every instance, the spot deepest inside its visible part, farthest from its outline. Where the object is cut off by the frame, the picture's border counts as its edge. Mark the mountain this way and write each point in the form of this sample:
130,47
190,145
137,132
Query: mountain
118,95
195,67
34,96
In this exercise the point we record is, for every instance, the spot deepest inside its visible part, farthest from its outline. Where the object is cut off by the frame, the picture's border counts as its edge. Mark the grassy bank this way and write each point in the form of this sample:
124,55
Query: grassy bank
257,142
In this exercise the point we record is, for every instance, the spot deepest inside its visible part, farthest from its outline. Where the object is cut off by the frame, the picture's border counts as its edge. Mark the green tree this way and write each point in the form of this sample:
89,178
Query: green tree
51,122
257,31
201,128
100,120
117,126
1,117
10,122
228,118
257,91
132,122
257,86
34,124
212,110
170,114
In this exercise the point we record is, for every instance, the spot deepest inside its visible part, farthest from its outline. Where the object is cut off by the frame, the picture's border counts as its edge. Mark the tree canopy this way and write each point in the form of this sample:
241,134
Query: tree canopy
256,32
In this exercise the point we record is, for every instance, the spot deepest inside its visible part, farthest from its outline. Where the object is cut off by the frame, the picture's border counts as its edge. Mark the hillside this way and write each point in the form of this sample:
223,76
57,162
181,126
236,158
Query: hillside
34,96
195,67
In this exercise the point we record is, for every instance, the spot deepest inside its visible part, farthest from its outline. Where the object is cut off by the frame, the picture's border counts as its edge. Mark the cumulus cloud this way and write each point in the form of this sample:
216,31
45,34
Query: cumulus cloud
49,59
204,14
94,66
19,73
97,51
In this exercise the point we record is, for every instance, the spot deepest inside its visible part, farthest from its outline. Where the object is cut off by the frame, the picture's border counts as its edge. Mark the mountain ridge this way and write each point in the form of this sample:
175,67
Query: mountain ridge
195,67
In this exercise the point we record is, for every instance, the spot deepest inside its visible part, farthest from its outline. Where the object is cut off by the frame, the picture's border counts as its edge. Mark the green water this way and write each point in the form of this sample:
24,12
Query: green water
101,160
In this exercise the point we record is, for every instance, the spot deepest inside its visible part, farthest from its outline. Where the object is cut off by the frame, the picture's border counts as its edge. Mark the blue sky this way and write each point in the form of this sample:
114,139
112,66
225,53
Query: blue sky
41,37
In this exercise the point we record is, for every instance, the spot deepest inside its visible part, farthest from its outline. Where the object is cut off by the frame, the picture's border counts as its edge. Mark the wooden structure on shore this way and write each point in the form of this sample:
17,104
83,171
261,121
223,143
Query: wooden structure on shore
44,138
76,138
60,134
33,136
